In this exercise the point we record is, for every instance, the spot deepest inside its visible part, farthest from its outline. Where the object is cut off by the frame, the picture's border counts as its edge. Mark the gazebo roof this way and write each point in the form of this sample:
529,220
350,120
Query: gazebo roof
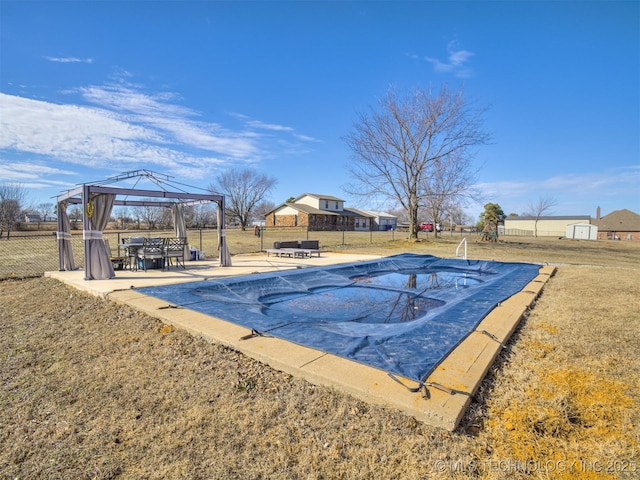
168,193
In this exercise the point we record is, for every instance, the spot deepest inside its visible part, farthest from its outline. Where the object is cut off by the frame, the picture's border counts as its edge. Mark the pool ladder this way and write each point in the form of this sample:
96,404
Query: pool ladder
462,242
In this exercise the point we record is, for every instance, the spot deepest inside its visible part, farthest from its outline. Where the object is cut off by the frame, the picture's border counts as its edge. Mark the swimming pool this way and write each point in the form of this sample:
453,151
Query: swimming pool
402,314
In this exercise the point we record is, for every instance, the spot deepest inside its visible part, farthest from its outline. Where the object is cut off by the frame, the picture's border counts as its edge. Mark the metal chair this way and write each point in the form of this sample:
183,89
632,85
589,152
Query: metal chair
151,250
131,247
174,249
118,261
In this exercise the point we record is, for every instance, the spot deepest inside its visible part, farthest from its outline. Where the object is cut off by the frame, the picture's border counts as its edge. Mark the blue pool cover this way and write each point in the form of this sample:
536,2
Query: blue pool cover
402,314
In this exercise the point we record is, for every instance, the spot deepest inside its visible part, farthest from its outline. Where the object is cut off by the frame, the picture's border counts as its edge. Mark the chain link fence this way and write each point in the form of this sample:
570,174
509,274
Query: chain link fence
30,254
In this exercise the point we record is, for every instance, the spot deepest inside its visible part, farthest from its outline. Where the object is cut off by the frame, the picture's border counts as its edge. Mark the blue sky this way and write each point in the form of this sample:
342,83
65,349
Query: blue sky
92,89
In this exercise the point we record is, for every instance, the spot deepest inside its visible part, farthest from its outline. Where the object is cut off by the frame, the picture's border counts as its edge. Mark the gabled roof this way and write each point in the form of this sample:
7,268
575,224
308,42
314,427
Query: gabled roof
376,213
619,220
357,213
301,207
347,212
319,197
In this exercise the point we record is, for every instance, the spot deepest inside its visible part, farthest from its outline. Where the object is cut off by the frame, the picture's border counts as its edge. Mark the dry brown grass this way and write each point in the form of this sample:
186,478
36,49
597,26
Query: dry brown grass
91,389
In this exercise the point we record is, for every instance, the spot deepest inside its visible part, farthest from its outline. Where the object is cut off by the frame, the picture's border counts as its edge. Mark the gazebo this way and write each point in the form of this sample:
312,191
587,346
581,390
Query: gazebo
99,198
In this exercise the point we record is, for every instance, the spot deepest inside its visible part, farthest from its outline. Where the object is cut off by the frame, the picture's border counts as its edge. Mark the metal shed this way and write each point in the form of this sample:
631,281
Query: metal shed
582,231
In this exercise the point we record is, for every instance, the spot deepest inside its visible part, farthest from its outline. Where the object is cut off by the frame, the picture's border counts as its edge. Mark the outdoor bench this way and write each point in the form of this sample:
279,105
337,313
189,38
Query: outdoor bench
295,248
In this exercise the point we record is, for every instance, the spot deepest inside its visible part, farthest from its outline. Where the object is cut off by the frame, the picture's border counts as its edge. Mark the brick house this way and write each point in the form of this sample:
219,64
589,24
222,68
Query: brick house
618,225
318,212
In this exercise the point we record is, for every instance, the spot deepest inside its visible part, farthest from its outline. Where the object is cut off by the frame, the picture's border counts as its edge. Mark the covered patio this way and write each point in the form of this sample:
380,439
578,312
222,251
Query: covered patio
98,199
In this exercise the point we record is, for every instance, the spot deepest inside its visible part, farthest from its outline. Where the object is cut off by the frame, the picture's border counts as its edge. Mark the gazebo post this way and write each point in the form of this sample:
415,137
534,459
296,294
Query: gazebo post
85,230
60,240
225,258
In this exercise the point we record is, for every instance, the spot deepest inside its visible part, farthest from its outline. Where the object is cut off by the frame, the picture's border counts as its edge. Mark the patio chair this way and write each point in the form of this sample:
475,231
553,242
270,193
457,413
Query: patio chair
174,249
151,250
131,247
117,261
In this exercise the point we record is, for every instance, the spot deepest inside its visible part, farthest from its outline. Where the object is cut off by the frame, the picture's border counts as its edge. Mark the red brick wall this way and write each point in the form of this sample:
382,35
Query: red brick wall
635,236
312,222
287,220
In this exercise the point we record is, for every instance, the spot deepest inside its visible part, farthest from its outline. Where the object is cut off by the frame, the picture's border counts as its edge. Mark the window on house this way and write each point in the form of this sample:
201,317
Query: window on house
326,204
336,205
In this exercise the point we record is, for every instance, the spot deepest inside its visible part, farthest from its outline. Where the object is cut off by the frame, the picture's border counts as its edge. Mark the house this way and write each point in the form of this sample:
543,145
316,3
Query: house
32,218
318,212
382,220
545,226
618,225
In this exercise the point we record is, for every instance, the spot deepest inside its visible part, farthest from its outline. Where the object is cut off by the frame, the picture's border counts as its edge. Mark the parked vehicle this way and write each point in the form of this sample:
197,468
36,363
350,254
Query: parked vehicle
426,227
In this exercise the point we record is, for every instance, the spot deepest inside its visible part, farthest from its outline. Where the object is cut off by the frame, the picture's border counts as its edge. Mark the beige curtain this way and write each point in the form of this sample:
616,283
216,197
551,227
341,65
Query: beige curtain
99,213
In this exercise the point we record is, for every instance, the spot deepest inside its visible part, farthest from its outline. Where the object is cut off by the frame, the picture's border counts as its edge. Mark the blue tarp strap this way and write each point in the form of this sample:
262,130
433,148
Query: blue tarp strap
411,389
439,387
422,386
254,333
492,337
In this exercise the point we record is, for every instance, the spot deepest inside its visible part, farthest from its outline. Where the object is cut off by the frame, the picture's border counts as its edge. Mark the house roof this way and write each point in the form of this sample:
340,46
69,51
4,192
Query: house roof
375,213
310,210
357,213
318,196
347,212
619,221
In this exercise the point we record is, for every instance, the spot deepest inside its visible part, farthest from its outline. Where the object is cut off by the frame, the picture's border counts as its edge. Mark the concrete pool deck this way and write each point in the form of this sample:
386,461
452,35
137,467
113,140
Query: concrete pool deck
441,401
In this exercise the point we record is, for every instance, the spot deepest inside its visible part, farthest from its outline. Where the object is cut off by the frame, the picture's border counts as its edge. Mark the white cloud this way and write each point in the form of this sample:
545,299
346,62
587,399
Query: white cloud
69,133
273,127
125,127
122,128
69,59
123,98
575,193
23,171
455,63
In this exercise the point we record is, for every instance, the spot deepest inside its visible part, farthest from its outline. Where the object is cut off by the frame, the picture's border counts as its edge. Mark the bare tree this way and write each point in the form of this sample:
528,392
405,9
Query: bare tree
399,146
150,215
75,215
455,216
12,199
538,209
263,208
202,215
45,210
121,214
243,190
448,185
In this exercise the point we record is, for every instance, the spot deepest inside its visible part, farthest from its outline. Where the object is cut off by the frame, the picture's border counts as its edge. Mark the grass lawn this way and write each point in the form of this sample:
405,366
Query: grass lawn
91,389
